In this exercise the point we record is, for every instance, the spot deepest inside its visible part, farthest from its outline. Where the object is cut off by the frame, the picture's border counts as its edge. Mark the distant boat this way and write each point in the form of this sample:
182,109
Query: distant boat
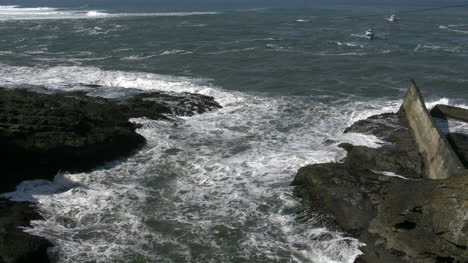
392,18
369,34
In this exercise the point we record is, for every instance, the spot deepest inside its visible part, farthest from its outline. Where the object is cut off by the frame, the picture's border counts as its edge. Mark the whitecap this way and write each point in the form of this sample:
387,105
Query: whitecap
437,48
130,58
175,51
232,50
432,104
209,180
95,13
15,12
451,28
349,44
390,174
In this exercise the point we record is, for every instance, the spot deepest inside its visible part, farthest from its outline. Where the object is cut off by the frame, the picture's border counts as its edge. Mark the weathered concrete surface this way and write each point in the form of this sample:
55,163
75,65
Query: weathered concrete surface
459,143
449,112
440,160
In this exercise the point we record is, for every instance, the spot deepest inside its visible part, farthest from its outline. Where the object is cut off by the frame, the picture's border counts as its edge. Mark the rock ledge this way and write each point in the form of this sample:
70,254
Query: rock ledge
383,197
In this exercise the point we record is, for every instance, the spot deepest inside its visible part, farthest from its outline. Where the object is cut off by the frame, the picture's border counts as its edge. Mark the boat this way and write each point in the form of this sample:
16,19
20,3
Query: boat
369,34
392,18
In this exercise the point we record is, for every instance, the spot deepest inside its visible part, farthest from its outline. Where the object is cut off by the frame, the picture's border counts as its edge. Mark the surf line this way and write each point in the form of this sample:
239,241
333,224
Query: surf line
413,11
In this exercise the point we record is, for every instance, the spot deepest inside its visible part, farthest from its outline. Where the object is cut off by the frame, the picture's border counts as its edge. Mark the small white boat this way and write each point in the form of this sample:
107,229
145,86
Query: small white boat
392,18
369,34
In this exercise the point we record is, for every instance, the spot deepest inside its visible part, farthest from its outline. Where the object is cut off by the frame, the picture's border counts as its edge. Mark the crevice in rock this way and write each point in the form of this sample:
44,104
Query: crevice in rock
454,244
417,209
405,225
440,259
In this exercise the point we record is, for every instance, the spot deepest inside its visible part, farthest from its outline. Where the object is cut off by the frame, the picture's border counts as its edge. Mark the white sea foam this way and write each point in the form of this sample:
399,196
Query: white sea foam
62,77
138,57
15,12
421,47
390,174
96,13
355,53
349,44
452,126
232,50
453,28
432,104
175,51
217,182
178,14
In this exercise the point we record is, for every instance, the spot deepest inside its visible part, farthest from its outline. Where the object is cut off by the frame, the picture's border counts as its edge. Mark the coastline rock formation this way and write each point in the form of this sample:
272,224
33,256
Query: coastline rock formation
16,245
46,132
386,199
42,134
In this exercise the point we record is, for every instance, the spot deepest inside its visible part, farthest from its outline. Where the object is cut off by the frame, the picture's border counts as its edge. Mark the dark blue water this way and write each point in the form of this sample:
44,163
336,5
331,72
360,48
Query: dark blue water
215,188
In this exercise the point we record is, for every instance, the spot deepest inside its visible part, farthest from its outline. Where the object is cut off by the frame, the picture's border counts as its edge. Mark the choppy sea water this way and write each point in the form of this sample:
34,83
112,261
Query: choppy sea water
216,187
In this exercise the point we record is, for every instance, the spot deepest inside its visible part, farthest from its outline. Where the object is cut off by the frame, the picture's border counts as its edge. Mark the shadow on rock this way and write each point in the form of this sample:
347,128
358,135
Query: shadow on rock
48,131
380,197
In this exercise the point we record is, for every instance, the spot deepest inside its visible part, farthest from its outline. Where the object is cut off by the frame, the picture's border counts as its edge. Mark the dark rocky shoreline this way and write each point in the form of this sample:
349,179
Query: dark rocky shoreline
380,196
16,245
409,218
42,133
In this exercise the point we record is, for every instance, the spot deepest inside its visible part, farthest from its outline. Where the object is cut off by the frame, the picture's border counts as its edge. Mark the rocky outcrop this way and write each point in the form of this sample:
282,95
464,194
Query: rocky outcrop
382,197
15,245
43,133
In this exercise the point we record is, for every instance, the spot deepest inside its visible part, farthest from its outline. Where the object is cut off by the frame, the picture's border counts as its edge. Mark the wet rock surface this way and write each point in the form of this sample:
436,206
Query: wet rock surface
47,131
380,197
43,133
15,245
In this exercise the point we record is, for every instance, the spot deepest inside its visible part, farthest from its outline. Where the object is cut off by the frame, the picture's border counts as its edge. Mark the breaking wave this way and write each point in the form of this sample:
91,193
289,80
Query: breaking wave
15,12
217,182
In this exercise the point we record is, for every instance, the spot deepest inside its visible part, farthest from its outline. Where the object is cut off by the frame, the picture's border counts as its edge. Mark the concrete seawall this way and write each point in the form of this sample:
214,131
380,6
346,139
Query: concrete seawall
440,160
450,112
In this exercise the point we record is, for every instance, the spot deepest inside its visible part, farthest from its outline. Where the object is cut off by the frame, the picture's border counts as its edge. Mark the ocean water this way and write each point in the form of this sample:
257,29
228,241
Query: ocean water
216,187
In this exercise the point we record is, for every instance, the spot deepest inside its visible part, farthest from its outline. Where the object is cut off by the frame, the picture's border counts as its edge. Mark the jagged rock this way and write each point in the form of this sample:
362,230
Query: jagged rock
156,105
399,155
42,133
15,245
401,220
